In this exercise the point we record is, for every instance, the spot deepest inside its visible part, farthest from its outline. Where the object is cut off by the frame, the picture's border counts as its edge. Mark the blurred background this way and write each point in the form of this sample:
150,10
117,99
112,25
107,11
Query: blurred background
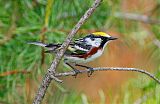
135,22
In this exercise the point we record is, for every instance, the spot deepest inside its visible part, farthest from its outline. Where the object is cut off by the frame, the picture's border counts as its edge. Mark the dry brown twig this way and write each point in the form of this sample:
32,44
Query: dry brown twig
45,27
12,72
51,73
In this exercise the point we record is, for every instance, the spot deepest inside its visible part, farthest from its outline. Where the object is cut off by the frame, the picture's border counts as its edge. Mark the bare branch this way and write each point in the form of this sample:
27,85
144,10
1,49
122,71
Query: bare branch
137,17
127,16
52,70
110,69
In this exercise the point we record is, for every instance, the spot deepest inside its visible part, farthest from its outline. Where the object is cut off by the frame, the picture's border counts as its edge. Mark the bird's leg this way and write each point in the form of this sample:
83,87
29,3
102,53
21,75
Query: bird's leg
74,69
89,68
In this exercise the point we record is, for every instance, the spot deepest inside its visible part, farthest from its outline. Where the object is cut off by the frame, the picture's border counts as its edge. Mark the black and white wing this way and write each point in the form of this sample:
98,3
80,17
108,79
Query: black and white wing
78,47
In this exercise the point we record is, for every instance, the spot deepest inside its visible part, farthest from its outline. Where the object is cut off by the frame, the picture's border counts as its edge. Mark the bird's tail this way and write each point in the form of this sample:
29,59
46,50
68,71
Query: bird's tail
38,44
50,47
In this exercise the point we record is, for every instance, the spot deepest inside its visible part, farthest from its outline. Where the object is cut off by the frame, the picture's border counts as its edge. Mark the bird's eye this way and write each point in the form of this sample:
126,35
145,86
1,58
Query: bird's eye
92,39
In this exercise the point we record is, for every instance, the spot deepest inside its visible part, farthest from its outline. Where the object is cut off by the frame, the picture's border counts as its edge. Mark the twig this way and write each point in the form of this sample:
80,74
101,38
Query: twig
42,35
110,69
157,43
52,70
129,16
14,72
137,17
45,27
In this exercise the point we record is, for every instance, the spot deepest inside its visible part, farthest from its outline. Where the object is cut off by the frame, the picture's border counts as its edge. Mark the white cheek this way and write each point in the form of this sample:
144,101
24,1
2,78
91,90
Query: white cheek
95,43
88,40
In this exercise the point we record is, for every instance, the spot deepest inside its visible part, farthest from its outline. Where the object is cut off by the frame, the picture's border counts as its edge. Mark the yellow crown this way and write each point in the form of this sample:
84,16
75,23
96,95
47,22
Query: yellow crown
101,34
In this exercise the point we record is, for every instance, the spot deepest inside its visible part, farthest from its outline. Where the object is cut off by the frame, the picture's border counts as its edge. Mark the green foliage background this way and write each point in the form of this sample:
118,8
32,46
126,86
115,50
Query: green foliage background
22,21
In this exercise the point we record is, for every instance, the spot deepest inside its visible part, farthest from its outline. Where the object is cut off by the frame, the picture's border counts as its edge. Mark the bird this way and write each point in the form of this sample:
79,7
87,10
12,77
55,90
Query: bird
81,50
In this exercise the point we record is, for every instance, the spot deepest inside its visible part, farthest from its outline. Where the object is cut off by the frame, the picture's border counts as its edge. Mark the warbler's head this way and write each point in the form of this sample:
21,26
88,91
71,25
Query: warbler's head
99,39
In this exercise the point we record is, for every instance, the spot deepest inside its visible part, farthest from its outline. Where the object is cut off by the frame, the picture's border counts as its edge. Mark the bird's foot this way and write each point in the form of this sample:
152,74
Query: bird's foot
90,72
76,71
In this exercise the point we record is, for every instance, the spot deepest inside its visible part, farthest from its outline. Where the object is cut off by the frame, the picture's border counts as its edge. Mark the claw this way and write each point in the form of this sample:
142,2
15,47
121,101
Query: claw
90,72
76,72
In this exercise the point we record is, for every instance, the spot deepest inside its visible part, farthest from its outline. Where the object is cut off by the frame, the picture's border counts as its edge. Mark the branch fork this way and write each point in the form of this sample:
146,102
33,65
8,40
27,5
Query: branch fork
72,73
48,77
51,73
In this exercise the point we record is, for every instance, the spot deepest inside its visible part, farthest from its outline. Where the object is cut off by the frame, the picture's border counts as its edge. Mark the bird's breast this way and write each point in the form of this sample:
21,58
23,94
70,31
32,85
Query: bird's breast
89,56
94,56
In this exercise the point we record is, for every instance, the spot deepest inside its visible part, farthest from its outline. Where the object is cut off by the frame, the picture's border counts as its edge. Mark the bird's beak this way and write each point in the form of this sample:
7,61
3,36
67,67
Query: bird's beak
112,38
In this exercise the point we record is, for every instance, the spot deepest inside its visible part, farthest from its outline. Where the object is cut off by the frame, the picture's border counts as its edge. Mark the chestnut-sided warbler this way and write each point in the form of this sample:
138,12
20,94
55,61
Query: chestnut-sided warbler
81,50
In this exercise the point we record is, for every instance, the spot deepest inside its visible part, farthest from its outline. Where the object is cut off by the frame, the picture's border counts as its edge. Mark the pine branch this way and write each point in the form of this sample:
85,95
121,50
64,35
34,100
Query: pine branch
52,70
